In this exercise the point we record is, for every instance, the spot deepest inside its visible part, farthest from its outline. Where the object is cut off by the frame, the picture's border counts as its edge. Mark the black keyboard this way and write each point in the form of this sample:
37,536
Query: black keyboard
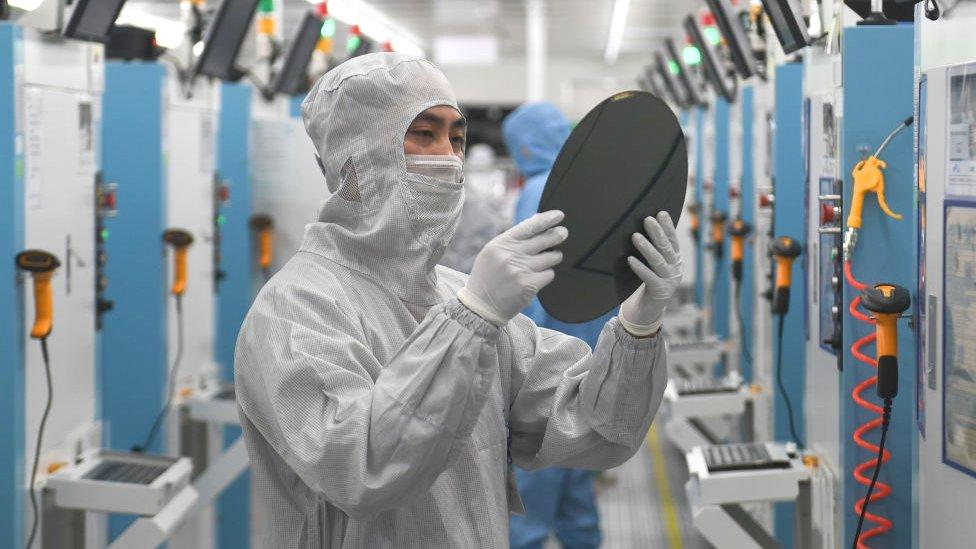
125,471
698,386
738,457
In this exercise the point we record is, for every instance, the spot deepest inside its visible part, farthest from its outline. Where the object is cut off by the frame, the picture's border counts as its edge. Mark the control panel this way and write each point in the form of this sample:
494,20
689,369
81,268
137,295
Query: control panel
105,206
830,272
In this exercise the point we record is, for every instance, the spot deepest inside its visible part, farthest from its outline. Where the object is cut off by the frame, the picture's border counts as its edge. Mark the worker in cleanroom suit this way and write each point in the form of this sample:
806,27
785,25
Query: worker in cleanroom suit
383,398
556,499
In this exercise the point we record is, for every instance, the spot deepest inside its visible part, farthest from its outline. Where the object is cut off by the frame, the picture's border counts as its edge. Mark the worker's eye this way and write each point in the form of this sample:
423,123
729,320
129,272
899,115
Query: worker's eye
427,134
458,140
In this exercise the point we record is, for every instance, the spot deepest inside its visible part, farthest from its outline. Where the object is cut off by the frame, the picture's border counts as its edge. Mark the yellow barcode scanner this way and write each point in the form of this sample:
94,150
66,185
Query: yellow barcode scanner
785,250
718,218
738,231
180,240
41,265
887,302
262,225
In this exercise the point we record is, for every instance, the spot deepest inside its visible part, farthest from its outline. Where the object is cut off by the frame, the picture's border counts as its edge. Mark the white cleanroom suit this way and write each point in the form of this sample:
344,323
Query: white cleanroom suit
377,409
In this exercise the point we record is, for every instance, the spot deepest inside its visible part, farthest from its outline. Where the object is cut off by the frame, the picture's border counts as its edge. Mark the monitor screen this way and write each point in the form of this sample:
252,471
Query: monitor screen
664,73
789,26
224,38
291,78
685,77
92,20
713,67
731,27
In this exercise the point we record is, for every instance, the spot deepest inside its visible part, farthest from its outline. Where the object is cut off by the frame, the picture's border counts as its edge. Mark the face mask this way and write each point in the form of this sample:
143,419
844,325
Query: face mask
435,194
445,168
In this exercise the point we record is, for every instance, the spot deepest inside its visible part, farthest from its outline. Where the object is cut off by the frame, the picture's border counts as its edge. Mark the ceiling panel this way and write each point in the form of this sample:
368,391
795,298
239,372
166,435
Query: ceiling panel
577,28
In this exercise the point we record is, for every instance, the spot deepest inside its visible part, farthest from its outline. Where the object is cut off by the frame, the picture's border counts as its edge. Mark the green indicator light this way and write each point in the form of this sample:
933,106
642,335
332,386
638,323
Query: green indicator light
221,220
673,67
103,235
691,55
712,35
353,43
266,6
328,28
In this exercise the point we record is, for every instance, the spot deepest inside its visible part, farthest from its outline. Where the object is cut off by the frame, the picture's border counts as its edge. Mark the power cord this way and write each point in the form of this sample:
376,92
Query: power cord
40,438
779,382
885,422
743,340
171,382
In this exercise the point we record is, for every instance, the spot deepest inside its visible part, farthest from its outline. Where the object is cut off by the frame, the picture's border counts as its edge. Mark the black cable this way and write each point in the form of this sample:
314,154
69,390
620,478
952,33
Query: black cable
40,437
779,381
743,340
171,381
885,422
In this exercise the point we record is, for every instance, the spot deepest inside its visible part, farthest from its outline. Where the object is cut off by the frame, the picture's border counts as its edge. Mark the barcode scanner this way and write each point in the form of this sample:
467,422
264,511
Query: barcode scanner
785,250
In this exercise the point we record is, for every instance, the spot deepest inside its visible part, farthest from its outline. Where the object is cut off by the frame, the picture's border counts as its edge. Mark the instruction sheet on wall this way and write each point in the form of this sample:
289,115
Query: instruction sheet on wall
962,134
959,377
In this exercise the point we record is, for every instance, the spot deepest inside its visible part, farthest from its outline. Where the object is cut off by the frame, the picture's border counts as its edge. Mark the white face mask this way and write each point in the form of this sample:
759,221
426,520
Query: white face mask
445,168
435,194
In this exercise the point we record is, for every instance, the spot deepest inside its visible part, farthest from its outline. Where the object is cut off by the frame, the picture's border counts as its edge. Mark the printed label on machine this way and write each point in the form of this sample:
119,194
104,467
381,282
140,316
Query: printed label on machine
959,378
961,169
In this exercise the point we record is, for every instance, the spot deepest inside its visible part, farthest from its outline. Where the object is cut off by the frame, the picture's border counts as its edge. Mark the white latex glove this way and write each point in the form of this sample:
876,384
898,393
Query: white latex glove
641,313
512,268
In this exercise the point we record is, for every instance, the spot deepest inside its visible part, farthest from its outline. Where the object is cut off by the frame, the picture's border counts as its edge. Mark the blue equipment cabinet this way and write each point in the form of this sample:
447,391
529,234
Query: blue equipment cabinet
788,174
132,354
720,203
12,485
234,290
878,65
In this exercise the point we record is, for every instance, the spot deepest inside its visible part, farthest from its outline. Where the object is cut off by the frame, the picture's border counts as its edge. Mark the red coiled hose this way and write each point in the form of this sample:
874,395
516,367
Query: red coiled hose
882,490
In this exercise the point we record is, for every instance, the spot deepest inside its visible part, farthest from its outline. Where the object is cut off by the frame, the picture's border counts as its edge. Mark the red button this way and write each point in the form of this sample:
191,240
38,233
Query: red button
766,200
224,193
827,214
108,200
733,192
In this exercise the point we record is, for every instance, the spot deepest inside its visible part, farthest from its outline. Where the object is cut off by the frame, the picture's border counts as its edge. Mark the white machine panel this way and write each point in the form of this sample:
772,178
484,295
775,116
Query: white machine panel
191,129
60,117
287,181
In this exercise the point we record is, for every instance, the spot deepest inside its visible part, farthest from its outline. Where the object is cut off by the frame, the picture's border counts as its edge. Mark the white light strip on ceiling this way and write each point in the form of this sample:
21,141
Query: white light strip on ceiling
26,5
169,32
618,21
374,24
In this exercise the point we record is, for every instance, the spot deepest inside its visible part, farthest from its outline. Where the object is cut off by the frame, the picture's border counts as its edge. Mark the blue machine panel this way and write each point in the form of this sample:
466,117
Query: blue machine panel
878,94
133,350
720,203
234,290
698,119
789,189
12,388
748,212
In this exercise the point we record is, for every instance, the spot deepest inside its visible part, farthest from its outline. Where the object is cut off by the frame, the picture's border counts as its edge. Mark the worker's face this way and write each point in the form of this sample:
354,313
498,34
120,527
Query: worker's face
436,131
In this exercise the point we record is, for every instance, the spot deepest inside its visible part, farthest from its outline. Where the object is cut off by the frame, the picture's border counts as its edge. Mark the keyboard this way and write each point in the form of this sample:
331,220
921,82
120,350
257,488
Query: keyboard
704,385
742,456
125,471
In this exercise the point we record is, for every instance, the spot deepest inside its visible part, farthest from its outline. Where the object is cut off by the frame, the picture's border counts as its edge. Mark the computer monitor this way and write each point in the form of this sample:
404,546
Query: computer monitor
224,38
291,78
788,24
713,66
685,77
667,78
92,20
735,37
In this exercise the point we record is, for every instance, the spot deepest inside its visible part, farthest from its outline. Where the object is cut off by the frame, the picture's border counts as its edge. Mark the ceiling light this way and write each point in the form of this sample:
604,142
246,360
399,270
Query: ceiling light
169,32
26,5
618,21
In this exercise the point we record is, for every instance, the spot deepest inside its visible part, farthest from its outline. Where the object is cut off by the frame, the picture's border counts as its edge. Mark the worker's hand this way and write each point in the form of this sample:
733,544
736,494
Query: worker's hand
512,268
641,313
